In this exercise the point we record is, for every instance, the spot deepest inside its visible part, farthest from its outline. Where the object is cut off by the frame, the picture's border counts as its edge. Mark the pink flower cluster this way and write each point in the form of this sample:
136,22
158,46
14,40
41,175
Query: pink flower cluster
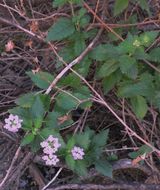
50,146
50,159
77,153
13,123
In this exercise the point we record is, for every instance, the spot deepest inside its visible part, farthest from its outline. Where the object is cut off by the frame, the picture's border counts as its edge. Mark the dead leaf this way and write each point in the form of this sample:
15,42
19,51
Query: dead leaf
29,43
34,26
64,118
138,159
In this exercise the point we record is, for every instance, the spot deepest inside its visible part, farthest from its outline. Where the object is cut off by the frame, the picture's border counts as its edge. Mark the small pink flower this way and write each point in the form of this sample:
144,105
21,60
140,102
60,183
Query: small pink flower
50,145
44,144
77,153
13,123
50,159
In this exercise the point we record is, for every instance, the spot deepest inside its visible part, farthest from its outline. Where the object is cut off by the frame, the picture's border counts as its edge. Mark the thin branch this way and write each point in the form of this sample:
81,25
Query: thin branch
54,178
74,62
104,25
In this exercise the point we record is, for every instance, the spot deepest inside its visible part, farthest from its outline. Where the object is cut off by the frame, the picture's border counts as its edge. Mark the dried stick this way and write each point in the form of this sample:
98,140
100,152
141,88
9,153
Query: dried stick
11,166
53,179
101,21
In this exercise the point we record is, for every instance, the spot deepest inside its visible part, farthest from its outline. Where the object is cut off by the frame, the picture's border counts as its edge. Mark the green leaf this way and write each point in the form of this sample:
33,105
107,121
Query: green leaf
57,3
37,123
142,150
46,100
83,139
106,69
47,131
100,139
110,81
41,79
103,52
21,112
128,66
71,80
154,55
81,168
156,100
83,67
35,145
27,139
104,167
140,53
120,6
62,29
37,108
52,119
25,100
79,45
70,144
66,101
139,106
144,5
70,161
144,87
147,38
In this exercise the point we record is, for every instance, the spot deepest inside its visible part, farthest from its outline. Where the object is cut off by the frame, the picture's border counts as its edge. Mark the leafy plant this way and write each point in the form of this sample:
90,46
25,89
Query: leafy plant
117,65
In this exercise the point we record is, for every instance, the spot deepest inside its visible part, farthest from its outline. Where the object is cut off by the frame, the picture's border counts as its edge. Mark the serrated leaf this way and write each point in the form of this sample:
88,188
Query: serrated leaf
120,6
22,113
110,81
79,45
101,138
81,168
103,52
62,29
37,108
46,100
48,131
144,5
144,87
106,69
27,139
66,101
154,55
52,119
41,79
83,139
71,142
71,80
139,106
35,145
104,167
140,53
70,161
147,38
156,100
37,122
25,100
128,66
